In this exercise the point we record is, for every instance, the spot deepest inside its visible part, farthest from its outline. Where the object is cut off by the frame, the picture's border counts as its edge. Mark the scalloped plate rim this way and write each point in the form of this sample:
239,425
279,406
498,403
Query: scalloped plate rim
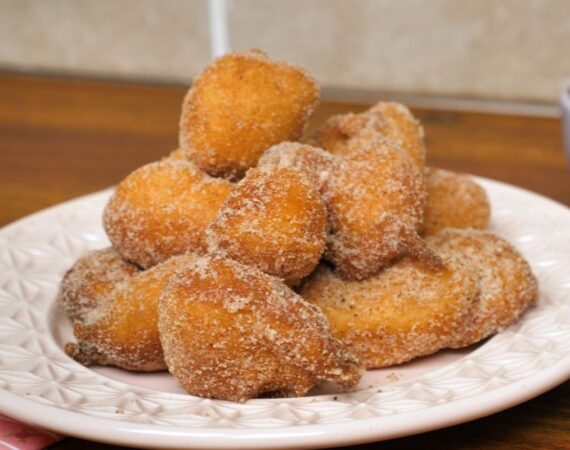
321,435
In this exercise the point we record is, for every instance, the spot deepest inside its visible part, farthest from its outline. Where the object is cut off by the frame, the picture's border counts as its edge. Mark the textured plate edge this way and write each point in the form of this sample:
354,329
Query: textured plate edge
300,436
486,182
309,436
103,193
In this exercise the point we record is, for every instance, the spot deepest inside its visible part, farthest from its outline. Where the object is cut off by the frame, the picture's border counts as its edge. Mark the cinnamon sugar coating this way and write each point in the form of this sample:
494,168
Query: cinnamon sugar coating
90,281
162,209
122,330
454,201
274,219
405,311
506,282
375,197
178,154
215,303
389,120
242,104
231,332
313,162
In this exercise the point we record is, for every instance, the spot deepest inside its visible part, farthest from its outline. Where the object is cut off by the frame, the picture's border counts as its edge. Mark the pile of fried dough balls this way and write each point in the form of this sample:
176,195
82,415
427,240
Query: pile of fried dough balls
256,261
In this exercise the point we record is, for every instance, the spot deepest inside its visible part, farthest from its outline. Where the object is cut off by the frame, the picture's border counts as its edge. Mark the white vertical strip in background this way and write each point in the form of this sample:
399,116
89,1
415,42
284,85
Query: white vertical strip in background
219,36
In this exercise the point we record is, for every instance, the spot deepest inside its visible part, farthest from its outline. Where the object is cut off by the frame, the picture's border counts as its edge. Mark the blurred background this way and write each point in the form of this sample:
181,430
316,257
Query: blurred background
505,50
107,77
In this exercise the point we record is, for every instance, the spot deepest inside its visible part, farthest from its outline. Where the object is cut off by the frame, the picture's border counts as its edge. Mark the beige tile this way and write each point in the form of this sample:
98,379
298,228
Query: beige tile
165,40
513,49
500,49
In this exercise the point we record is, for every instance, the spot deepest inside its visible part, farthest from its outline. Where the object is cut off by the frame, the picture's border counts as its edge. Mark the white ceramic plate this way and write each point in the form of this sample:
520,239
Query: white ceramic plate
42,386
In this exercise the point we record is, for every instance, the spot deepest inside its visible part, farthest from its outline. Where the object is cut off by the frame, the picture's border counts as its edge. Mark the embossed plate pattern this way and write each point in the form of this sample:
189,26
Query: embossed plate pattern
42,386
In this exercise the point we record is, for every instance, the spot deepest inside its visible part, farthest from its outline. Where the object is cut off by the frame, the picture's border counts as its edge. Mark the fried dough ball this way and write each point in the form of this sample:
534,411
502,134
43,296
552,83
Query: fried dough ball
122,330
161,210
454,201
402,128
507,285
375,197
389,120
178,154
242,104
315,163
231,332
91,280
274,219
335,133
405,311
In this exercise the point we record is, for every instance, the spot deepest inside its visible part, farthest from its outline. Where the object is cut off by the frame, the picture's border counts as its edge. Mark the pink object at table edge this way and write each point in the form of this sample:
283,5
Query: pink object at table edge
18,436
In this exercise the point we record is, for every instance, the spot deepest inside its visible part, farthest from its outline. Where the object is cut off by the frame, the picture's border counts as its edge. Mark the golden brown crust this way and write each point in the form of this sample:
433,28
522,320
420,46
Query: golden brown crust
178,155
403,129
404,312
313,162
375,197
226,323
242,104
162,209
273,219
123,330
506,283
232,332
454,201
392,121
330,136
90,281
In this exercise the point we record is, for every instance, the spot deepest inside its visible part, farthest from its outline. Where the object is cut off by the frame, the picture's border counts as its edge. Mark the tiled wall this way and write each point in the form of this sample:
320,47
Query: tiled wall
498,49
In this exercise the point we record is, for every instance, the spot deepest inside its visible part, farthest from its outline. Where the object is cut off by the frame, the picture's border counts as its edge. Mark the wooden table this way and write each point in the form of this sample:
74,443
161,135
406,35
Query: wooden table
61,138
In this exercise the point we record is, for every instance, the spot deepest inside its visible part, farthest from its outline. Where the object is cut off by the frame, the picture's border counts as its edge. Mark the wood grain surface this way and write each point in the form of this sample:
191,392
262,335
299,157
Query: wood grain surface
61,138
